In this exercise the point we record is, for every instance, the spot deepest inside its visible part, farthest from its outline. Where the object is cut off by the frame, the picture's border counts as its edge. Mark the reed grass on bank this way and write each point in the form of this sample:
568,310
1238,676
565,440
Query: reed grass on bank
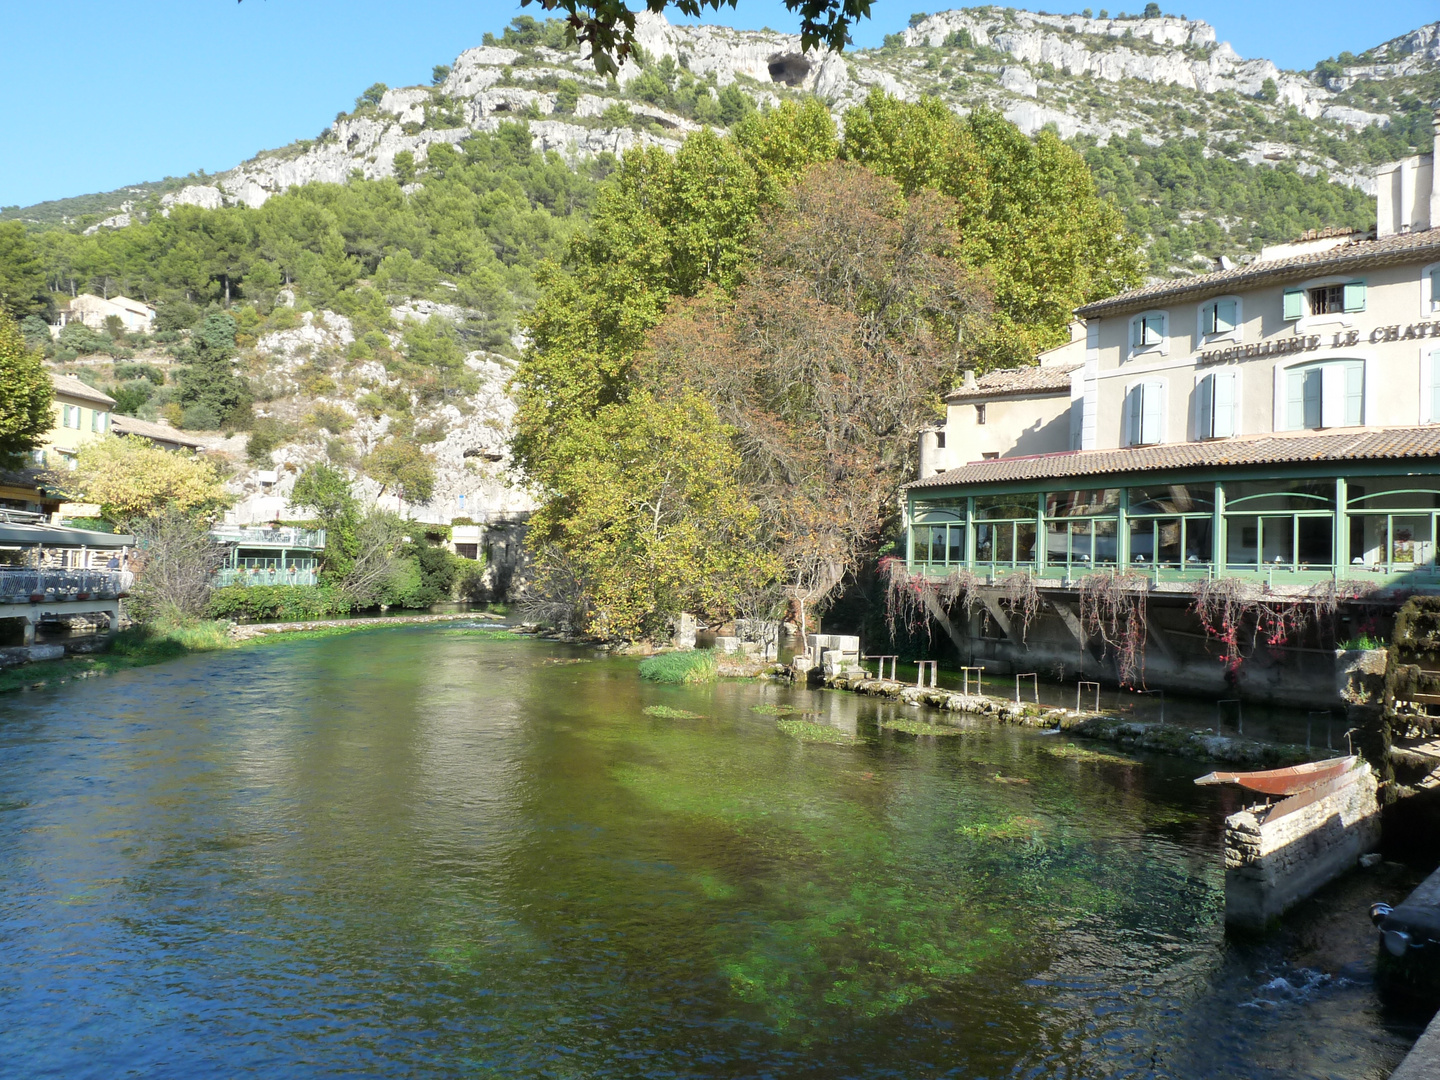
678,668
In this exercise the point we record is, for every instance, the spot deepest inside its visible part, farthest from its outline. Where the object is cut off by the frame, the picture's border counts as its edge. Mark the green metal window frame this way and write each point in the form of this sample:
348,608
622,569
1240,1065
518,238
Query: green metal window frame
1318,528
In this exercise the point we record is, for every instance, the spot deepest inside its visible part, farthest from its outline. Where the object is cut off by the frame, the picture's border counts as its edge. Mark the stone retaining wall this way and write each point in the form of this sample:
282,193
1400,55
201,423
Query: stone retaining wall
1272,864
1131,734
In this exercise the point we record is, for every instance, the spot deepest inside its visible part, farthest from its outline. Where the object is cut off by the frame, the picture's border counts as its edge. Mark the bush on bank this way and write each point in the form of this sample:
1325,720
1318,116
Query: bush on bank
255,602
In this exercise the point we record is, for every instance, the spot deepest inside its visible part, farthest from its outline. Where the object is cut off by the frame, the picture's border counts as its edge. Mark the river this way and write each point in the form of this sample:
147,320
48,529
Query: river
431,852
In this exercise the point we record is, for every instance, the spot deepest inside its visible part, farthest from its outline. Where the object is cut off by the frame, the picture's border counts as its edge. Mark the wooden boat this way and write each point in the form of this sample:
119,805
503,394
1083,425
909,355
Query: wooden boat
1288,781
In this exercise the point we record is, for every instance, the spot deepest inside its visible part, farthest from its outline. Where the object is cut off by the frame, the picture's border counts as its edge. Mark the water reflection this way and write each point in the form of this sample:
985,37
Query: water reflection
424,853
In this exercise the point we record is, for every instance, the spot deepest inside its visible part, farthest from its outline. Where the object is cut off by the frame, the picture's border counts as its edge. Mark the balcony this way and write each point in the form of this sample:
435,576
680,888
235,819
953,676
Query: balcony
250,576
20,585
259,536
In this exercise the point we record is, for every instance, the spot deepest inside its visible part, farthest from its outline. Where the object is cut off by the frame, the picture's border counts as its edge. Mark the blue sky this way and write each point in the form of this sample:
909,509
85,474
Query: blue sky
97,95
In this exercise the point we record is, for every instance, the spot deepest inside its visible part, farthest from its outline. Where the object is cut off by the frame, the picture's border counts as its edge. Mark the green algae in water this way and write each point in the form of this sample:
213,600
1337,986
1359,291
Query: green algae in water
665,712
811,732
1019,827
479,633
776,710
1080,753
919,727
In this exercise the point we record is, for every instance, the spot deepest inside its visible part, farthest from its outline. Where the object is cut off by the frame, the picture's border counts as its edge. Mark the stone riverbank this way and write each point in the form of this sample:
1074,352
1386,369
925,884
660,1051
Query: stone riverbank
1130,734
251,631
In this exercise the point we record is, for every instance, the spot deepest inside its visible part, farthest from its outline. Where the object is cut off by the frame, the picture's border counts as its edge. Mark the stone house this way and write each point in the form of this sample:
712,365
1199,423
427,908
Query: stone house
135,316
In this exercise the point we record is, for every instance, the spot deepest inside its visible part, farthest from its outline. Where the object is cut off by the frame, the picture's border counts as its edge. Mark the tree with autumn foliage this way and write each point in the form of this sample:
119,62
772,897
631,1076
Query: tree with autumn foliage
132,478
817,296
828,361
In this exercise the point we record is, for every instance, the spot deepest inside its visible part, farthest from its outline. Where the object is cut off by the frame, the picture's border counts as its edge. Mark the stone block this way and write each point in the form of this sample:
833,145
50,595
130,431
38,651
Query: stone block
1272,863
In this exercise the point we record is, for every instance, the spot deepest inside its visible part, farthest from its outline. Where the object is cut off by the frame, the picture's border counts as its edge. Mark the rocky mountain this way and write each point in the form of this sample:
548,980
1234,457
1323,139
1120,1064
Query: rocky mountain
1091,78
1207,152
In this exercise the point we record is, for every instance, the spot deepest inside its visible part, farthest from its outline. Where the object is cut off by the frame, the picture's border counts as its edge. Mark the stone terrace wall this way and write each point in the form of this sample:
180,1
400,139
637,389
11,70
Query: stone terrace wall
1273,865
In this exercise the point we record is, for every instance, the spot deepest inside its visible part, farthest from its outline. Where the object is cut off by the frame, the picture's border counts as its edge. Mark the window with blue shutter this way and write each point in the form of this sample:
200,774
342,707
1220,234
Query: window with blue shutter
1355,296
1435,291
1294,303
1324,395
1219,317
1147,331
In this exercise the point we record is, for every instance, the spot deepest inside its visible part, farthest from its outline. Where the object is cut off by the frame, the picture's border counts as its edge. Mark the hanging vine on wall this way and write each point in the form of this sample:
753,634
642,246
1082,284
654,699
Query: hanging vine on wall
1229,608
1112,608
1022,598
911,599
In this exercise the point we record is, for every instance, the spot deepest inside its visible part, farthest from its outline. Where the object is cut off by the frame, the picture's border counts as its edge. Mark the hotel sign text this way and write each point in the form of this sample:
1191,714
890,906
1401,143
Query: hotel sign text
1341,339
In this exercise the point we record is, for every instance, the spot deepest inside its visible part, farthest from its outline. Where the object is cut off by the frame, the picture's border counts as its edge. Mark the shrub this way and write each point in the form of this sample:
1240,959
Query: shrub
279,602
679,668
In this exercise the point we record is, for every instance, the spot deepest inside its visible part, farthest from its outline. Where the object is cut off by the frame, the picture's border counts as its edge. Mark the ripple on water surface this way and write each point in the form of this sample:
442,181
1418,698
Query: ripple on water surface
417,853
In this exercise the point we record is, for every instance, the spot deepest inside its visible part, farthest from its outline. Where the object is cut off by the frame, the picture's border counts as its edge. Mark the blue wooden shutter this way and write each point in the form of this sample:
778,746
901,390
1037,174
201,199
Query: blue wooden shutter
1355,392
1435,291
1223,404
1134,412
1224,316
1355,296
1137,332
1150,413
1294,303
1314,382
1204,407
1294,400
1435,387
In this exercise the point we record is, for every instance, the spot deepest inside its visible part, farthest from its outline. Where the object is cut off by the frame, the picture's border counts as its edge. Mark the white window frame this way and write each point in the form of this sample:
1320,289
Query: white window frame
1429,295
1129,437
1161,348
1195,412
1236,334
1367,400
1338,318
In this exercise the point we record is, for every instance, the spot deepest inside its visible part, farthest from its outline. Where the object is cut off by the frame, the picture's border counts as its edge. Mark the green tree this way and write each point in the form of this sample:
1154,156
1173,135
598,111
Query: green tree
22,275
372,95
646,520
25,395
439,73
326,491
210,390
403,466
36,331
1027,212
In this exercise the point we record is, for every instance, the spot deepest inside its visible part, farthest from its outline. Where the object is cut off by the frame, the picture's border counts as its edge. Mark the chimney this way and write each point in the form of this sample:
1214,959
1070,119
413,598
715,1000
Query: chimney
969,378
1407,197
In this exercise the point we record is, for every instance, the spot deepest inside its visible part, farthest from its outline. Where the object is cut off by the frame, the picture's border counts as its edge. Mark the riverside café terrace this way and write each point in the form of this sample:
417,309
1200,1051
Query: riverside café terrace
1288,511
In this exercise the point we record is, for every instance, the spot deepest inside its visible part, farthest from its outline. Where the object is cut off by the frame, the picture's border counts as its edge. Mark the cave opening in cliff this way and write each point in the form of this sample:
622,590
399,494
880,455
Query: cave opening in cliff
789,68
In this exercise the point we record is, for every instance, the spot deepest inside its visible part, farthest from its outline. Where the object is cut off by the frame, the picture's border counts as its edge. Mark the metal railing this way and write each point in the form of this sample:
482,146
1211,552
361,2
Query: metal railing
20,585
267,576
260,536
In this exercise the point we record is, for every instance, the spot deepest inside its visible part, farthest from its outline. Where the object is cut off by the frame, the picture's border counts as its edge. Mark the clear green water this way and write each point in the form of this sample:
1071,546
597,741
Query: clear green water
415,852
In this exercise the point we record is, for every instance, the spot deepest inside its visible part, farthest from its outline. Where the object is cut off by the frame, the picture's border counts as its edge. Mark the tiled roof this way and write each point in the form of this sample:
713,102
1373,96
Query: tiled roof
129,425
1403,247
1023,380
73,387
1348,445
